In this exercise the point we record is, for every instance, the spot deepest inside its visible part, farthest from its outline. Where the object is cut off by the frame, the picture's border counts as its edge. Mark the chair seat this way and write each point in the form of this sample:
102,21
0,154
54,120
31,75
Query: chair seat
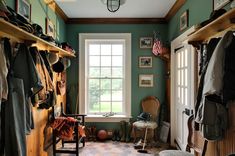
175,153
145,124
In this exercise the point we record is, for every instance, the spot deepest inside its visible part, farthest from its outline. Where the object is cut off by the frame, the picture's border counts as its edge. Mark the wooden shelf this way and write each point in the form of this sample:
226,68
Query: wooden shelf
218,26
13,32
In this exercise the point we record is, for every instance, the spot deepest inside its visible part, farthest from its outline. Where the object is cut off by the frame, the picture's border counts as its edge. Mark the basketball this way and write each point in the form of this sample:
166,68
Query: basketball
102,135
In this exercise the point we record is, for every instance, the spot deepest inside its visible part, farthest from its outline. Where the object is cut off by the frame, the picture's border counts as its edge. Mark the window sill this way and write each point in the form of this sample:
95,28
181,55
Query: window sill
100,118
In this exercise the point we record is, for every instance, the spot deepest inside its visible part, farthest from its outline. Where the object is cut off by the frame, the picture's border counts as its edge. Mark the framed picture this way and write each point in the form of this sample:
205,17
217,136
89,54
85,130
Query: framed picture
23,8
217,4
145,62
146,42
146,80
50,28
184,20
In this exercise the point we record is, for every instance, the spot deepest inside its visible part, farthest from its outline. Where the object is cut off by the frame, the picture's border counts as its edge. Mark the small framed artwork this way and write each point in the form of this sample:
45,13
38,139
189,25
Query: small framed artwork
146,42
146,80
217,4
23,8
184,20
145,62
50,28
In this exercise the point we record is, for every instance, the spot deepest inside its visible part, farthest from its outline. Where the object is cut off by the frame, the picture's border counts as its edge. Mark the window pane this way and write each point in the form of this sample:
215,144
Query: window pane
105,72
117,95
105,95
105,106
105,84
94,60
94,100
94,72
94,49
117,61
117,49
106,61
117,72
94,84
106,49
116,84
116,107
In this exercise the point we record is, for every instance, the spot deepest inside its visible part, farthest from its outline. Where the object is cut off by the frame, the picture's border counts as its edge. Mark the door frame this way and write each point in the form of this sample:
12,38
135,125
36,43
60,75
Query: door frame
176,43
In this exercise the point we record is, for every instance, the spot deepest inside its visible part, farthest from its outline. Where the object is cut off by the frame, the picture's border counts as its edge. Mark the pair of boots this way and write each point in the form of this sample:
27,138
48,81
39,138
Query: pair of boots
116,135
125,131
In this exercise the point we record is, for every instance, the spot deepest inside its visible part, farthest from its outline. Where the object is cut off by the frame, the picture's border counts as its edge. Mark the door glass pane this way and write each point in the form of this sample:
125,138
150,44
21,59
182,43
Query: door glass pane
178,77
186,96
178,60
182,58
186,57
186,76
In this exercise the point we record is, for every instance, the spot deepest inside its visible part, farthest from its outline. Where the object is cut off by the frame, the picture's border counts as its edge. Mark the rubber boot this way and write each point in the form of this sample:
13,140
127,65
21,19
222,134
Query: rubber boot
114,138
123,130
118,138
128,131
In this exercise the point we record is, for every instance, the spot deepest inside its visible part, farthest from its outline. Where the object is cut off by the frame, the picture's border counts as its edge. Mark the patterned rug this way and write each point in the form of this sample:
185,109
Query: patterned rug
112,148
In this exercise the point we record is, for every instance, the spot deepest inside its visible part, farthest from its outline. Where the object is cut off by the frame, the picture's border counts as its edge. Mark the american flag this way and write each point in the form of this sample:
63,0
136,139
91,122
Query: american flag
157,47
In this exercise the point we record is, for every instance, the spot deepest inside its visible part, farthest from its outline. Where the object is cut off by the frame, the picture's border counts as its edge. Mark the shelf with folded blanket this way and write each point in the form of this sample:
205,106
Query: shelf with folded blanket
9,30
215,28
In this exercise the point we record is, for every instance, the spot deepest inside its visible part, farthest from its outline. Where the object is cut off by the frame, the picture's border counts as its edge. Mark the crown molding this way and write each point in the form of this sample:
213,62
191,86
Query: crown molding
54,6
115,21
178,4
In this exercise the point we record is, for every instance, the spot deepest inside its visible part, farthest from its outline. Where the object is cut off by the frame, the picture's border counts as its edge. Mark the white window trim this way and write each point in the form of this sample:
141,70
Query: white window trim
82,88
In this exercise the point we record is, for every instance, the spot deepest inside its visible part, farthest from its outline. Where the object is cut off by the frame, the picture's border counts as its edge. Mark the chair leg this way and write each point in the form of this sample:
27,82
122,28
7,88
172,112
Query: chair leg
54,143
134,128
77,141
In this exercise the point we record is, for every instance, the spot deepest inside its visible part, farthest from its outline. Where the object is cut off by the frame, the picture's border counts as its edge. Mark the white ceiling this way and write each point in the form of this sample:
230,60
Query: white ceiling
131,9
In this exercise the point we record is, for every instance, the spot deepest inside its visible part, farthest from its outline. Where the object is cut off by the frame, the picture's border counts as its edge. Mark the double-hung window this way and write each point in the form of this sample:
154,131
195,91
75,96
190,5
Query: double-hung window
105,75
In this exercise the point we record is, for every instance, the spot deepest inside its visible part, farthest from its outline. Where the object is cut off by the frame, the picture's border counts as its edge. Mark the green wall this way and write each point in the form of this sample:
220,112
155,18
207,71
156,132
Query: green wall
199,10
39,12
137,31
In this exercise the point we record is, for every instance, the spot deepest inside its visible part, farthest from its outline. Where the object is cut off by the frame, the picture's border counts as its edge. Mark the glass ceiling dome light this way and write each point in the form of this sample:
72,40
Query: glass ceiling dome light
113,5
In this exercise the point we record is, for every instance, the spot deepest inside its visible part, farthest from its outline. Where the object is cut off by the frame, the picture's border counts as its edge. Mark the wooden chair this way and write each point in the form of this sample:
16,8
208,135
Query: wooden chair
190,143
76,139
150,105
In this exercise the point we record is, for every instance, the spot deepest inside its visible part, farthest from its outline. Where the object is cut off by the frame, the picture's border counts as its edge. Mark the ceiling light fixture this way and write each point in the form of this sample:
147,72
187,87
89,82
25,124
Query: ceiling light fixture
113,5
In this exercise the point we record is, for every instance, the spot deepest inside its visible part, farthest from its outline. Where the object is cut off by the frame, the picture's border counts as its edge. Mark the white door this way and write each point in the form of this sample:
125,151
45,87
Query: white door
183,61
184,92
